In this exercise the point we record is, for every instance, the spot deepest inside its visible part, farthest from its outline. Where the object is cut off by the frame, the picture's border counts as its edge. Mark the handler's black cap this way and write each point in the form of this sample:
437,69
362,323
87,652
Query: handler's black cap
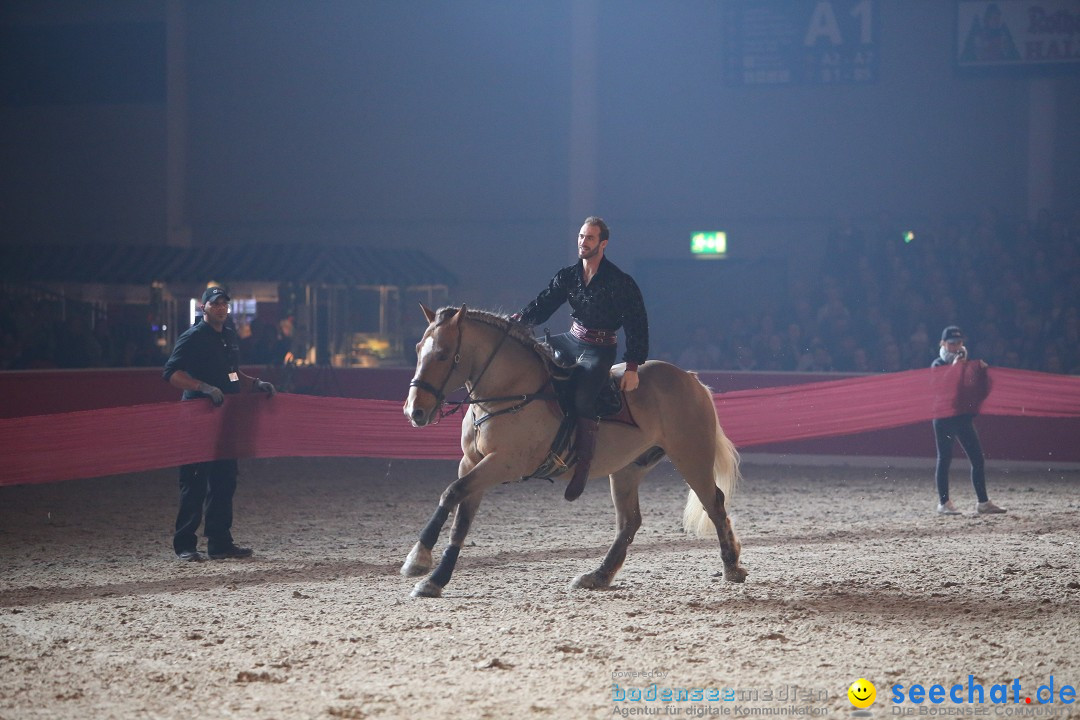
213,293
952,333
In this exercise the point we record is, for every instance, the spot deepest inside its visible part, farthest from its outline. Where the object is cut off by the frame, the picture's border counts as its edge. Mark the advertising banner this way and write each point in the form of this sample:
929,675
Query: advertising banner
1017,33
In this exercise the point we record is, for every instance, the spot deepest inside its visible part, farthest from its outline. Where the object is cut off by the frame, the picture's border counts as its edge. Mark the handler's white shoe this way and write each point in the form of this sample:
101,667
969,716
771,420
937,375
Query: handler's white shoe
947,508
989,508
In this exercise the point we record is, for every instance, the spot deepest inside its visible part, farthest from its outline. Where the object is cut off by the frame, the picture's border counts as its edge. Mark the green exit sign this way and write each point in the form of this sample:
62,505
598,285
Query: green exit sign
709,244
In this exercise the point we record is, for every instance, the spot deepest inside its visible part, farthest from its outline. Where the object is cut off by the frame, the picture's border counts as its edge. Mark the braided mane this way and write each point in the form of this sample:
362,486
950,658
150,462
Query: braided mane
502,323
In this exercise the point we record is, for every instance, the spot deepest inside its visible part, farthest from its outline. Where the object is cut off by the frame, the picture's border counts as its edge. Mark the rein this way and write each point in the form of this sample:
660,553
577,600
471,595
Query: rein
523,401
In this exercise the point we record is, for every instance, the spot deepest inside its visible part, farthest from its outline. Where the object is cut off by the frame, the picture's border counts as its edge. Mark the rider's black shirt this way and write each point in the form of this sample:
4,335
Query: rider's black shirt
610,301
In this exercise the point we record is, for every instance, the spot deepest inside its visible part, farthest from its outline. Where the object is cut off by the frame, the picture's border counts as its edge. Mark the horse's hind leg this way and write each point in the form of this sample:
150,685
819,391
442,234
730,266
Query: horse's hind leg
698,474
624,495
729,544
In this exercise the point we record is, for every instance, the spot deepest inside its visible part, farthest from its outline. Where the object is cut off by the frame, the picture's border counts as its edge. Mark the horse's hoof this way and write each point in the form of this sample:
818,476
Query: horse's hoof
735,574
426,588
588,581
418,562
414,569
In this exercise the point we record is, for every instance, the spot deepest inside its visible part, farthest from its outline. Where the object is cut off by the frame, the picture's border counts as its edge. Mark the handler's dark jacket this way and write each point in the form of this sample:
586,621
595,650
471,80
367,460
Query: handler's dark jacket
207,355
610,301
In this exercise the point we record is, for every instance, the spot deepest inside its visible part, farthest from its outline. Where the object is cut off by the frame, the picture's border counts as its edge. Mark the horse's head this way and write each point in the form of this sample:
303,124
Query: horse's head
438,370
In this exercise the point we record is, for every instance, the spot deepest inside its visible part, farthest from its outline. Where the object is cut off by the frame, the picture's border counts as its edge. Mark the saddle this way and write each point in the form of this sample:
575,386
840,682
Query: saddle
610,403
611,406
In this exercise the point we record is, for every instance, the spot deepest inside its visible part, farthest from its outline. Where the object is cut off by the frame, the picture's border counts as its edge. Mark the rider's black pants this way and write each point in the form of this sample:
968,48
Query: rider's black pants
595,361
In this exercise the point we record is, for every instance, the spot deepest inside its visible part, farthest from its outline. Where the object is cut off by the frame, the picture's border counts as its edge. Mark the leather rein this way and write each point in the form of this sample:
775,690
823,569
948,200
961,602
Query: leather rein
440,392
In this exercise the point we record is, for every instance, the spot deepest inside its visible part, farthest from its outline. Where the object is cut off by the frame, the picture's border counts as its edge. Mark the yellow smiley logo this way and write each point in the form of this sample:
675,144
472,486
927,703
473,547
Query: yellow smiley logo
862,693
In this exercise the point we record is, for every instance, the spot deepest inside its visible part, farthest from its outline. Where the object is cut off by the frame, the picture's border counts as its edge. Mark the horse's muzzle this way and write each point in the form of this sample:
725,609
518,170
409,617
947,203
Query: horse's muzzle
418,417
417,414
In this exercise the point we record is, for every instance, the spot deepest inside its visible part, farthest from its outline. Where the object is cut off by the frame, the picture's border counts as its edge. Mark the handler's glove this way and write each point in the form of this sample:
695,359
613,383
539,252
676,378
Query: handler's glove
263,386
216,396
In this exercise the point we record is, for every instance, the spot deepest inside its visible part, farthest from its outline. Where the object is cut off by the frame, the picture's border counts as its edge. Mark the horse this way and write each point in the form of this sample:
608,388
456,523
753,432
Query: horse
507,434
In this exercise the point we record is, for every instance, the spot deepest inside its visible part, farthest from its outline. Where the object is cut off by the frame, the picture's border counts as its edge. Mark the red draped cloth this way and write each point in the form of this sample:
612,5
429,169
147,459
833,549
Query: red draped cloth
48,448
873,402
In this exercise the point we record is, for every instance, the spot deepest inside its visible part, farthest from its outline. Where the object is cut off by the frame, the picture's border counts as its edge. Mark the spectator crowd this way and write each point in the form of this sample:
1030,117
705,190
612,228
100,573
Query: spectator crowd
42,330
885,294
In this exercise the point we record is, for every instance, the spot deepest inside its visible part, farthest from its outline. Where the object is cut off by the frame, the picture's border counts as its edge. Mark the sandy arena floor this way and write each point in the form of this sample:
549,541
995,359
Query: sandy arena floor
852,575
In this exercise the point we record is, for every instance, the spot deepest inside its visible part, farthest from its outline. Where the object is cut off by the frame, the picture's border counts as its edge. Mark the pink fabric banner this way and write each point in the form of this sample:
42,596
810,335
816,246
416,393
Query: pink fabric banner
93,443
853,405
1026,393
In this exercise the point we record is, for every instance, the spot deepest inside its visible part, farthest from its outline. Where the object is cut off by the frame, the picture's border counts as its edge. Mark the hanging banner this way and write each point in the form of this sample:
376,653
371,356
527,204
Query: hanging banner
1017,33
111,441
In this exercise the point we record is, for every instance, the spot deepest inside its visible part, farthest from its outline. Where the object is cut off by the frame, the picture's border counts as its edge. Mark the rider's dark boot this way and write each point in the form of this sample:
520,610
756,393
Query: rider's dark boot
585,443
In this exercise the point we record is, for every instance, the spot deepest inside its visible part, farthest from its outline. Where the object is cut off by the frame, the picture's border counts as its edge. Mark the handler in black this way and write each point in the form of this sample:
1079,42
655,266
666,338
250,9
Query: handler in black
602,299
205,362
962,428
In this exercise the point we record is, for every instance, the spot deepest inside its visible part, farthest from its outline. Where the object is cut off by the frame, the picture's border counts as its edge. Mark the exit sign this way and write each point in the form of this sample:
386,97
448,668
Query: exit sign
709,244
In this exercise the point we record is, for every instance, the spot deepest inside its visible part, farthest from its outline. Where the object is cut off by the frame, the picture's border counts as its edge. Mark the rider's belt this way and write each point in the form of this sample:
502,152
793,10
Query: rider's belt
594,337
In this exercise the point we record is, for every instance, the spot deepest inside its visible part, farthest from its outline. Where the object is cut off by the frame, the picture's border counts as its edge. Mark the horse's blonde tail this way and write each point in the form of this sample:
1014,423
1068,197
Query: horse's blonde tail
725,474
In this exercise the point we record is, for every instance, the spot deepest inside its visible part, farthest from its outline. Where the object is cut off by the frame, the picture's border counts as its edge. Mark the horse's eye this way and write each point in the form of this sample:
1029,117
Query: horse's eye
442,356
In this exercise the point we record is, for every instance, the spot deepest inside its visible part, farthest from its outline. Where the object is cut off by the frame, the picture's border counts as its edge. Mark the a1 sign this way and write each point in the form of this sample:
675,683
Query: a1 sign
774,42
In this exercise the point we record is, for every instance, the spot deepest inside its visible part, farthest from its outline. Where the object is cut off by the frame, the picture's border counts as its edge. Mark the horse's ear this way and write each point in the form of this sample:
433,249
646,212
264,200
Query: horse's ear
428,312
459,314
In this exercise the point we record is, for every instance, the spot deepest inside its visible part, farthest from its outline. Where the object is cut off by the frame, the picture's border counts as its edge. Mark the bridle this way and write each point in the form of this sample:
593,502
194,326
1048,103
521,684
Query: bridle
440,392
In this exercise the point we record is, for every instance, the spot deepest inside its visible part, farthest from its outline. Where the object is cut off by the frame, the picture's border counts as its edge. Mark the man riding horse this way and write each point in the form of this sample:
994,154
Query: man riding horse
602,299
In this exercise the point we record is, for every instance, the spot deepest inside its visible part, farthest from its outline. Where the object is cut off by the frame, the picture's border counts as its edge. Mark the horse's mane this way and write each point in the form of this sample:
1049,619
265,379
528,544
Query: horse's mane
515,330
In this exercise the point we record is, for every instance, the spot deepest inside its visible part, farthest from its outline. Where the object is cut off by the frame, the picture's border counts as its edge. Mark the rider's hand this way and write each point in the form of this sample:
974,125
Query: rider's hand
629,381
216,396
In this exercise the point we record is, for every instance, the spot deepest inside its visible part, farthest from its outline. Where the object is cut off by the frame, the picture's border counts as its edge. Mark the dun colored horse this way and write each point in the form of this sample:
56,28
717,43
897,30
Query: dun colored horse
508,430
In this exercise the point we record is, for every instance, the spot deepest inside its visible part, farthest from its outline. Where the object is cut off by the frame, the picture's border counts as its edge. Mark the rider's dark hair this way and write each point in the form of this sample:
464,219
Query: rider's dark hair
598,222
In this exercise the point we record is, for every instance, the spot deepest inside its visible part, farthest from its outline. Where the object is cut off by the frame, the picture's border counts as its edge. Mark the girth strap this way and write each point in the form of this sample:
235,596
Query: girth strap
560,456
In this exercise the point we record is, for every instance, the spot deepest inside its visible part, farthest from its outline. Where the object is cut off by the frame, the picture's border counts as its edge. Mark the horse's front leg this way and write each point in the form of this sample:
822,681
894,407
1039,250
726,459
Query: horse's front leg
419,560
432,585
624,495
464,494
